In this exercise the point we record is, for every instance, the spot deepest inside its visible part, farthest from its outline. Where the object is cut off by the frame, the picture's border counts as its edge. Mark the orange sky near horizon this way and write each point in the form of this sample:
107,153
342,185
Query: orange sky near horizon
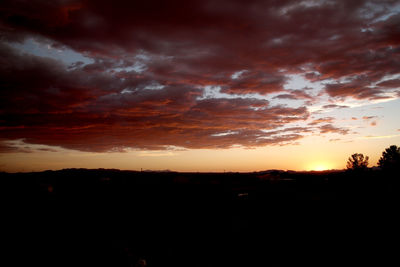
313,153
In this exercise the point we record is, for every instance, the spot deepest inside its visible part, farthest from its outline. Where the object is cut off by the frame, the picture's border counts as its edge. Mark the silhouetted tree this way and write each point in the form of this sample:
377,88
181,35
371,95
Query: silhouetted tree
390,159
357,161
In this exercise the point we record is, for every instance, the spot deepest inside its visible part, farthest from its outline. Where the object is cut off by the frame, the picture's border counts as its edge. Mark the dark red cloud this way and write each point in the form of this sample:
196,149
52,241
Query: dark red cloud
85,110
322,120
183,46
44,85
393,83
358,88
369,117
301,94
286,96
334,106
250,82
295,95
329,128
209,38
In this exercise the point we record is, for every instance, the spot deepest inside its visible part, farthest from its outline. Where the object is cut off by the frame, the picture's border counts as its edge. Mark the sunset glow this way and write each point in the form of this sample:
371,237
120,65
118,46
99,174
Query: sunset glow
197,85
319,167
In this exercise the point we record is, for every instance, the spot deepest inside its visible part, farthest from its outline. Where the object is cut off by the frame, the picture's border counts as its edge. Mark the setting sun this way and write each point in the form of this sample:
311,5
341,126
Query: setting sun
319,167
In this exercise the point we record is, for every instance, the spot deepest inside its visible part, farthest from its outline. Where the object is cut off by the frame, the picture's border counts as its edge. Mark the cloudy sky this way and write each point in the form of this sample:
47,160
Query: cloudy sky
197,85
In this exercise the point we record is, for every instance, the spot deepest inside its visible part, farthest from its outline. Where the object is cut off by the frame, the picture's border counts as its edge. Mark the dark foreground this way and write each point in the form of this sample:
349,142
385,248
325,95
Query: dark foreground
120,218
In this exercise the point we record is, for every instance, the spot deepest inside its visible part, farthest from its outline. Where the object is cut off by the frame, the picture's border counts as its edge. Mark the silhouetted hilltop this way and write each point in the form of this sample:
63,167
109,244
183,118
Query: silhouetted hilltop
287,185
108,217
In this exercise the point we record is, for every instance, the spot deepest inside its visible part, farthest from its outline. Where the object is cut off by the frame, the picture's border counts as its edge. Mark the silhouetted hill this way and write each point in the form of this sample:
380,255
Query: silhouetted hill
108,217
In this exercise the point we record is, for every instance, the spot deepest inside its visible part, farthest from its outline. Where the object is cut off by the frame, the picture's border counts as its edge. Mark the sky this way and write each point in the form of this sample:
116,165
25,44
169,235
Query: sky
201,85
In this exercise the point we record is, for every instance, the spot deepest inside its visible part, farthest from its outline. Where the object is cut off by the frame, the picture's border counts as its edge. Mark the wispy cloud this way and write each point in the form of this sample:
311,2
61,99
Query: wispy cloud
156,153
380,136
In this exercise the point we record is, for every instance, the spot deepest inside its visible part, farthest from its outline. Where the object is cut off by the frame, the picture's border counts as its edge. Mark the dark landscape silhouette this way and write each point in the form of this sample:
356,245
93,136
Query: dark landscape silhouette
108,217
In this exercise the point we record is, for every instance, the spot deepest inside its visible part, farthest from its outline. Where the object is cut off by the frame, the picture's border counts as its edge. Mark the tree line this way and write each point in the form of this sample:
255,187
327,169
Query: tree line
389,161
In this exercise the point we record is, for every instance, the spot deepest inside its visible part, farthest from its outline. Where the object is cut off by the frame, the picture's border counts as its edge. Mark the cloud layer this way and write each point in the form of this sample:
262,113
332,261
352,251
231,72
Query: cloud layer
151,60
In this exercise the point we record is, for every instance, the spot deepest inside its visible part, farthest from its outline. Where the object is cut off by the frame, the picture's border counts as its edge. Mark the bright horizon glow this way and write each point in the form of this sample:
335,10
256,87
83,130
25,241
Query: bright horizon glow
319,167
